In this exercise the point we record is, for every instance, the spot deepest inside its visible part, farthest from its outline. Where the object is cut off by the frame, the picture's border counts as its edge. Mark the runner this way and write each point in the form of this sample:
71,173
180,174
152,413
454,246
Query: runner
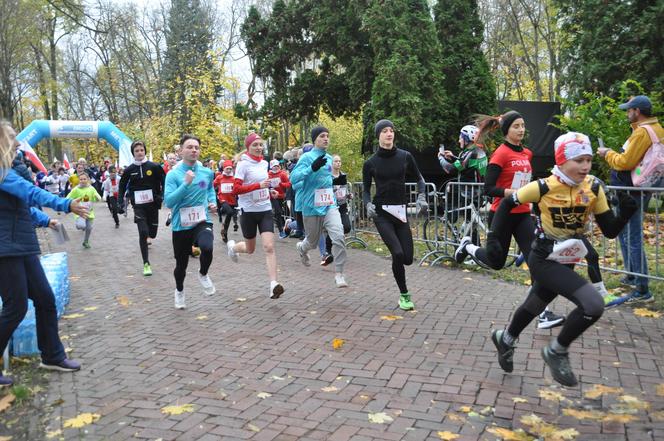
190,196
145,182
253,187
22,276
340,186
223,183
388,167
563,203
87,194
509,169
314,197
280,183
111,188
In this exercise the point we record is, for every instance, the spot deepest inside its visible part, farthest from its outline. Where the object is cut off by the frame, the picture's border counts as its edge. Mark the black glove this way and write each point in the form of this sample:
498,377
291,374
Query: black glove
318,163
627,206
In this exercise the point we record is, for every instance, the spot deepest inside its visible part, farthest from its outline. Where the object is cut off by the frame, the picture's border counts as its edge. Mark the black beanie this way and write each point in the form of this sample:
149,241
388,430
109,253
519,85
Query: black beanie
507,119
380,125
317,131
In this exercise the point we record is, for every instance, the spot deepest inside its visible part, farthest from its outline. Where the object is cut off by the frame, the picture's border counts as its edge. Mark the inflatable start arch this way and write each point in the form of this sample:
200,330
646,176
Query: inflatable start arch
40,129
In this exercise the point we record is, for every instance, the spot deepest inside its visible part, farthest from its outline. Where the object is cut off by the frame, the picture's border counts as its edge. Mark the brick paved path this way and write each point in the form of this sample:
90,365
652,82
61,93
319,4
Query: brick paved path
261,369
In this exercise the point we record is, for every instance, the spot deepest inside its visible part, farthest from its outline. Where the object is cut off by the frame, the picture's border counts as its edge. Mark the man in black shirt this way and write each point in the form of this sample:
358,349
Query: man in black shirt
145,182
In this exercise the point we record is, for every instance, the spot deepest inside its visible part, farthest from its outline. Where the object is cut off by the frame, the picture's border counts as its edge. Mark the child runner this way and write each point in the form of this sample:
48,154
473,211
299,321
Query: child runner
253,187
223,183
509,169
388,168
340,187
87,195
111,188
280,183
190,195
563,203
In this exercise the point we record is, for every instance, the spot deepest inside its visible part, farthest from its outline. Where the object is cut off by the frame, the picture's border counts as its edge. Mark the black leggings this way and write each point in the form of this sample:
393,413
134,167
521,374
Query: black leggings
549,280
112,202
345,221
278,213
399,240
146,217
226,209
201,236
519,225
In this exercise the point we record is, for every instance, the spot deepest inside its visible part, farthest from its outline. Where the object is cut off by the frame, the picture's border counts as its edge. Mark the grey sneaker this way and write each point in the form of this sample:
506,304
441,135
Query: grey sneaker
549,319
65,365
505,351
561,371
206,283
304,257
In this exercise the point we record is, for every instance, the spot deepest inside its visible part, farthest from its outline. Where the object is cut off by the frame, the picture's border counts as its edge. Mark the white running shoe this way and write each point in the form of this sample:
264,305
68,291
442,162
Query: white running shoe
231,252
340,280
179,300
304,257
208,286
460,253
276,289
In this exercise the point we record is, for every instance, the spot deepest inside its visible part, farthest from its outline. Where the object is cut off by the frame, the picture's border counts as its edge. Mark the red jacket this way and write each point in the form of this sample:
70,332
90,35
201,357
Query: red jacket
284,182
224,186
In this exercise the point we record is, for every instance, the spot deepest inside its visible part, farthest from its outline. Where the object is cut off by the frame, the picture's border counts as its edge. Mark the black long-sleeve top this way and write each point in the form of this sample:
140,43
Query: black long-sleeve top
388,168
145,176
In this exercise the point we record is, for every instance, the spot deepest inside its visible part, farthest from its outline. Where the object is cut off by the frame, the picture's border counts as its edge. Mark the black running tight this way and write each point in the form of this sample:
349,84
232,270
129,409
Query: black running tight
549,280
201,236
519,225
399,240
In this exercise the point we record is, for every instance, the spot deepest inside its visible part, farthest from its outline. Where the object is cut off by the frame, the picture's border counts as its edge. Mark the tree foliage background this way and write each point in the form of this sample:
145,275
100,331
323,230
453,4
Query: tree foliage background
157,71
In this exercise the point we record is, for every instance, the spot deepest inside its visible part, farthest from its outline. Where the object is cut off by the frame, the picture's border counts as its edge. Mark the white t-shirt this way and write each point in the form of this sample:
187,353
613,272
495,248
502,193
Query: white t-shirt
251,171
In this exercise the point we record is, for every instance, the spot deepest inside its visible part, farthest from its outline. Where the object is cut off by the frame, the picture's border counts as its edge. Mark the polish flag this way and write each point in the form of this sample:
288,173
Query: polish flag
65,162
32,156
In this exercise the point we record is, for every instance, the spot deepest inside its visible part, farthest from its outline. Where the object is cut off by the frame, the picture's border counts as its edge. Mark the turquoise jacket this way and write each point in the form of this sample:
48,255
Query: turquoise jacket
179,195
305,182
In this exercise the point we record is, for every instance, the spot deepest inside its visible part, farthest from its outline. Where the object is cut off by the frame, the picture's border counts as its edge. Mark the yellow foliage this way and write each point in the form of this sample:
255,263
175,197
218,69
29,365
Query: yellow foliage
177,410
380,418
81,420
620,418
584,414
657,416
91,308
329,389
645,312
659,390
346,141
510,435
447,435
546,430
391,317
263,395
599,389
519,400
6,401
550,395
633,402
337,343
123,300
73,316
466,409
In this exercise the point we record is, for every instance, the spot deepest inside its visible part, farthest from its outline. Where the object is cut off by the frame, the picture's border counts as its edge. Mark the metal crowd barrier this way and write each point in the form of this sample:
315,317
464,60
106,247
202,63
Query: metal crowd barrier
461,209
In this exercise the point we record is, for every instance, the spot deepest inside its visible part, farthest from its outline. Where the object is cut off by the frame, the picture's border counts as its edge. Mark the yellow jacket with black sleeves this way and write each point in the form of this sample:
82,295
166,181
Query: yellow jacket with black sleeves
636,146
562,211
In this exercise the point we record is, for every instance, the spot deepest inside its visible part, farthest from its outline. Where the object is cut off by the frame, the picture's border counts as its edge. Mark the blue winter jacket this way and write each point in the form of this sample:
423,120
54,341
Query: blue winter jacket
17,235
305,182
39,218
178,194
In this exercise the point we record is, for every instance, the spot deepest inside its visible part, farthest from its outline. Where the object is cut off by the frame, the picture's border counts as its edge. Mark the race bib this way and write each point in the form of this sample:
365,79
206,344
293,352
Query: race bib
190,216
520,179
341,193
568,251
143,196
226,188
324,197
275,182
262,194
398,211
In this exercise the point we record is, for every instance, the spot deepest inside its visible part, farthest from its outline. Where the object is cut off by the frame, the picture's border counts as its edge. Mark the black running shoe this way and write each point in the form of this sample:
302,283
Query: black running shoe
460,253
549,319
561,371
168,220
505,351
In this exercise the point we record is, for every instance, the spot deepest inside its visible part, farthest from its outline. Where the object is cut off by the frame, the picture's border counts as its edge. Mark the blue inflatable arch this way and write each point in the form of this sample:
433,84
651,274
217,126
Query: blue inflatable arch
40,129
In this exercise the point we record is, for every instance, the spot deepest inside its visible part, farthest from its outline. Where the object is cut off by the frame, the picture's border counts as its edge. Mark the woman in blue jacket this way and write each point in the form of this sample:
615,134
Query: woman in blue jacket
21,273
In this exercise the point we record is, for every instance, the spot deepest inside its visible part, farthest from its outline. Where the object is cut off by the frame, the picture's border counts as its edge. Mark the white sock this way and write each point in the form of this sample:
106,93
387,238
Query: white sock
599,286
471,248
